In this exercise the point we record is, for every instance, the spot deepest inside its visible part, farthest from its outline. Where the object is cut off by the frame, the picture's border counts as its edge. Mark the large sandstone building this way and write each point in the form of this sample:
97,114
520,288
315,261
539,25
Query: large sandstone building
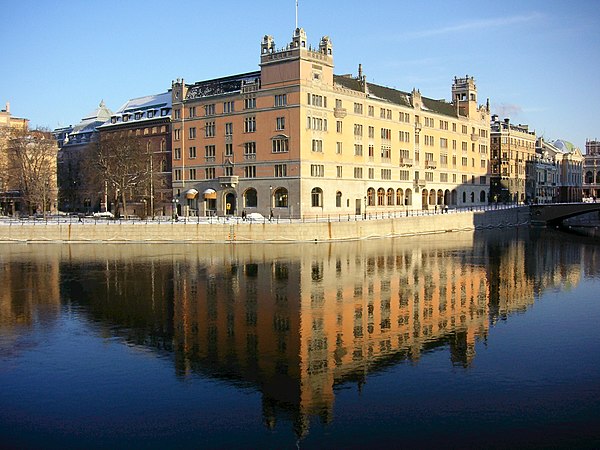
295,140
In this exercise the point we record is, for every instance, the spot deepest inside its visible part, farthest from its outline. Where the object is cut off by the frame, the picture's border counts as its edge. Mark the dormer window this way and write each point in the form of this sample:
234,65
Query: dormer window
138,116
125,117
113,119
150,114
163,112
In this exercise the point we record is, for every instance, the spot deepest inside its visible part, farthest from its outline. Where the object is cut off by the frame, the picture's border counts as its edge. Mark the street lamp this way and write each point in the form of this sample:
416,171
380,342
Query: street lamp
175,201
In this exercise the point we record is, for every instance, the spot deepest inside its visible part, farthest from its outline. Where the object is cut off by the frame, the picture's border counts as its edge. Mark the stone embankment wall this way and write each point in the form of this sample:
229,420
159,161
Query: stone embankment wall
192,232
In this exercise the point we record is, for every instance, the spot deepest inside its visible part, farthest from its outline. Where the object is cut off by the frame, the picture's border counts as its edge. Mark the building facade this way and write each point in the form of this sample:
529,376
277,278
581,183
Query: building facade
76,192
295,140
591,169
10,194
544,176
149,120
512,150
569,162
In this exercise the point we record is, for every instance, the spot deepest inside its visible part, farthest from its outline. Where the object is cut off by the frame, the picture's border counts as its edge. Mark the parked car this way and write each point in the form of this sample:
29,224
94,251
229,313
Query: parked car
255,217
104,215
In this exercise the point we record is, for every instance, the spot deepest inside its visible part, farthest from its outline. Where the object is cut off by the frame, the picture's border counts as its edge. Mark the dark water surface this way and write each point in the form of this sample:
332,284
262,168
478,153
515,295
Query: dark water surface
449,341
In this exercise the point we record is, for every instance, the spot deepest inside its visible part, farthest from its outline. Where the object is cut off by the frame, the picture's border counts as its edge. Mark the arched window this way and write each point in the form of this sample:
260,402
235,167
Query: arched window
589,177
482,196
399,197
338,199
380,197
408,197
464,197
454,197
472,197
390,197
424,197
250,198
432,197
280,197
316,197
446,197
370,197
440,197
598,177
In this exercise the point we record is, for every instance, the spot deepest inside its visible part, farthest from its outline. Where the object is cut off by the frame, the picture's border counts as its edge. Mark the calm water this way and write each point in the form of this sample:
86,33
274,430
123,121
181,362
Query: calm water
451,341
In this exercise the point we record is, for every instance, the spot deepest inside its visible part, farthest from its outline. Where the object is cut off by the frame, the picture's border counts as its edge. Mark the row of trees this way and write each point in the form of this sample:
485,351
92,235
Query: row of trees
117,167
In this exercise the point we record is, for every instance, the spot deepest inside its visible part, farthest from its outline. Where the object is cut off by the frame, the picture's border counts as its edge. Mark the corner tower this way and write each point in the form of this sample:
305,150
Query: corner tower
297,62
464,96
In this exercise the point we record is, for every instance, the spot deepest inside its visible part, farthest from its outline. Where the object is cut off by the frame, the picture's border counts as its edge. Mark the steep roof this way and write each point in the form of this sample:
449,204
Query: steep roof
401,98
220,86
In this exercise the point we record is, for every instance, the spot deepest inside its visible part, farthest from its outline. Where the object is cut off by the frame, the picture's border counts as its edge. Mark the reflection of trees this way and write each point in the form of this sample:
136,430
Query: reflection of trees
297,322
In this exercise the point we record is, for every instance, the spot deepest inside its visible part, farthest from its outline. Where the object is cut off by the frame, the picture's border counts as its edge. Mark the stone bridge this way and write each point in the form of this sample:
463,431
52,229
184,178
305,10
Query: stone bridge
557,212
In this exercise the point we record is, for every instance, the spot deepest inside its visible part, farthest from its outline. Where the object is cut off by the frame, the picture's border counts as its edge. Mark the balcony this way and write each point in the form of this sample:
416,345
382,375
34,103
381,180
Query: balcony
340,113
420,183
430,164
229,181
474,137
250,156
407,162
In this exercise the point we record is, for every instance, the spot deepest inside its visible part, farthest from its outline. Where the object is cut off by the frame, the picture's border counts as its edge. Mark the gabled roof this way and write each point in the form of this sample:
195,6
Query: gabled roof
149,107
401,98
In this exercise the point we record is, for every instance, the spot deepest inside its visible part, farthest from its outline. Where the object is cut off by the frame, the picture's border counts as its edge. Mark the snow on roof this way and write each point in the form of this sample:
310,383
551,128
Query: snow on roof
147,102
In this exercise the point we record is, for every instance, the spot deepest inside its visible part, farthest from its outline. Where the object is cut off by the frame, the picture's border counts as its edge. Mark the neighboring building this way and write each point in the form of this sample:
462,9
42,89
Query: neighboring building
10,194
296,140
149,119
75,143
543,185
569,161
591,169
512,150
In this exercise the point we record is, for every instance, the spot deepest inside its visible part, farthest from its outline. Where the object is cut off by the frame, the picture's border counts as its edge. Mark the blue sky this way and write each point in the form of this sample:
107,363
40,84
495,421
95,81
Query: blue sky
537,61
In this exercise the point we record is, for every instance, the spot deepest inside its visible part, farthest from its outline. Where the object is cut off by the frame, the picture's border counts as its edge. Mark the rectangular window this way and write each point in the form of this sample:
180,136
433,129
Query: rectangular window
228,107
371,173
192,111
177,113
280,123
338,126
210,152
338,103
338,148
228,129
317,145
338,171
371,111
250,124
464,129
209,110
177,174
358,108
209,130
280,145
465,162
250,171
404,175
372,132
358,172
464,146
317,170
177,134
443,177
386,134
386,152
482,180
250,103
428,176
192,133
358,130
280,170
228,171
281,100
192,152
358,150
443,159
443,143
192,174
371,151
250,150
177,153
386,174
229,149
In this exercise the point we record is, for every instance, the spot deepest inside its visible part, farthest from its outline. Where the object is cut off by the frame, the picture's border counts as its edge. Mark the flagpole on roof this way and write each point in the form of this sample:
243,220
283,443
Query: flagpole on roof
296,13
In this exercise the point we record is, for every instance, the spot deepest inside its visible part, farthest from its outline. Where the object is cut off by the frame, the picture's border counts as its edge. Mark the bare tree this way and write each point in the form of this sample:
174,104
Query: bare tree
122,163
32,167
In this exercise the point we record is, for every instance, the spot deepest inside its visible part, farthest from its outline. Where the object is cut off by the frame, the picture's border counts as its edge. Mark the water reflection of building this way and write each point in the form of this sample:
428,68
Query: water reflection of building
297,328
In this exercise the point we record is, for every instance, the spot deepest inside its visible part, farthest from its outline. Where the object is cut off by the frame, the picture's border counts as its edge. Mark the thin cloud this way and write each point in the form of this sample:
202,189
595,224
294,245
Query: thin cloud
476,25
507,110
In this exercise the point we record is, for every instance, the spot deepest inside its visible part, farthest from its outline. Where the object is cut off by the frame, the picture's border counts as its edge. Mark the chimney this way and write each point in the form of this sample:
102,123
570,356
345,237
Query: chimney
360,72
8,107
